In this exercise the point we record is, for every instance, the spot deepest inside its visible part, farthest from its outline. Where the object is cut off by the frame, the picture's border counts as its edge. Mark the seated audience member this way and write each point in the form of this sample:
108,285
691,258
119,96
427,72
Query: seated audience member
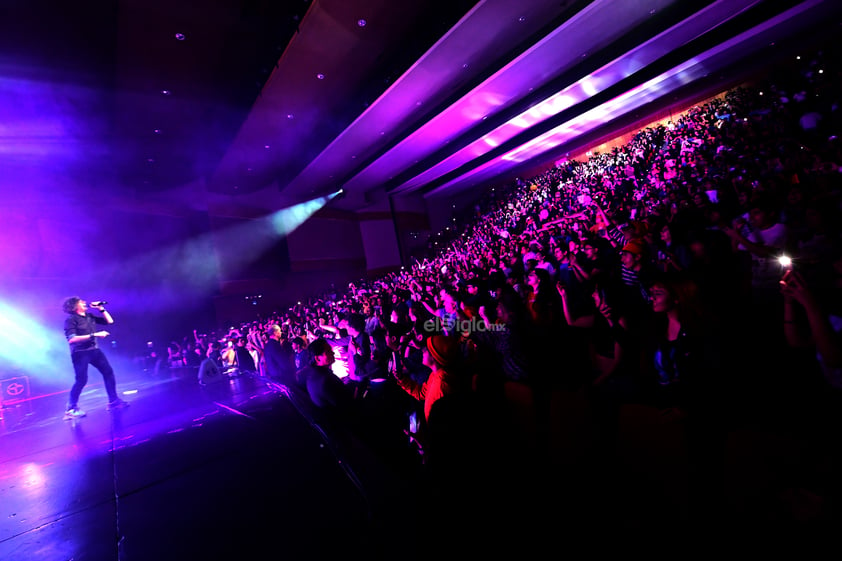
326,391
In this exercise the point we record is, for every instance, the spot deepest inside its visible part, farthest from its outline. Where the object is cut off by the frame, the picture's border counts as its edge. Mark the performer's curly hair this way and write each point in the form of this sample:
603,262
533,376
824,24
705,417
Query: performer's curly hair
69,304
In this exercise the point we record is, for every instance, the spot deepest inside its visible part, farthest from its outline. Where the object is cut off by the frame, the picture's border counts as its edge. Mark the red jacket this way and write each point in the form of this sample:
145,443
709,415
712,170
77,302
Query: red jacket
435,387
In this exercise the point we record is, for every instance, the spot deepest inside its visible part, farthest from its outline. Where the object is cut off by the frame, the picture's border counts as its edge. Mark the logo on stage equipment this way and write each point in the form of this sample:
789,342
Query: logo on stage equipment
14,389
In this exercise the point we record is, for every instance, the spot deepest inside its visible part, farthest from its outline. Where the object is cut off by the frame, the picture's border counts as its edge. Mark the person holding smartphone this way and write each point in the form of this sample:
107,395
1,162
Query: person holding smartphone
820,329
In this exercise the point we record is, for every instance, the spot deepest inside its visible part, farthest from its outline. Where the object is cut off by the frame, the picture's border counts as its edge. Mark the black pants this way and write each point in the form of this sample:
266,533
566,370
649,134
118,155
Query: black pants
81,360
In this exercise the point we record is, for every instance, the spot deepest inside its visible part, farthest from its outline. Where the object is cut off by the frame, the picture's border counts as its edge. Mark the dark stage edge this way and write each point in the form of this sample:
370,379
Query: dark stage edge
236,472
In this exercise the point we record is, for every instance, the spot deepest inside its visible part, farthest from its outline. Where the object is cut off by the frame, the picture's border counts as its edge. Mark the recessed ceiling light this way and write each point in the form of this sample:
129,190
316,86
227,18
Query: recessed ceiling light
320,76
521,19
290,116
180,36
157,131
166,92
361,22
267,146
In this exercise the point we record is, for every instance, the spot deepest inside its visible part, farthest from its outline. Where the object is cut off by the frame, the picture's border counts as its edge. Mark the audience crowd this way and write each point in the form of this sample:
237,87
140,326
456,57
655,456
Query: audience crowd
684,289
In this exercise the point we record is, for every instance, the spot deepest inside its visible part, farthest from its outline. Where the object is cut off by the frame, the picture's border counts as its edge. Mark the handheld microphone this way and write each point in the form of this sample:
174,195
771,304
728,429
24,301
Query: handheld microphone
99,303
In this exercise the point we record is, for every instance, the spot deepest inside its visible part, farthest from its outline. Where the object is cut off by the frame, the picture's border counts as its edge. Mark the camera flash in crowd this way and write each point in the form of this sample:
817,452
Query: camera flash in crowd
785,261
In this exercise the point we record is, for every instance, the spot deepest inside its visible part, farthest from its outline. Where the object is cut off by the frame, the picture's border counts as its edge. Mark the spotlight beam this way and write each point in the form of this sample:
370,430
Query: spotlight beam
195,265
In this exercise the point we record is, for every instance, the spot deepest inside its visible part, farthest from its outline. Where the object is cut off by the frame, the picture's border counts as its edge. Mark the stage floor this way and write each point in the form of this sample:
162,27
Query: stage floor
183,473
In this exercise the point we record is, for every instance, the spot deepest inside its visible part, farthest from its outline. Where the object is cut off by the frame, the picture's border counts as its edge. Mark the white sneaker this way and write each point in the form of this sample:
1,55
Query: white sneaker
74,413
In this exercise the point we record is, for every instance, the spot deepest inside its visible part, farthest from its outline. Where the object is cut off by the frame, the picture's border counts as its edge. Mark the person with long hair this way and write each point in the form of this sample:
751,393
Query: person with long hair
675,348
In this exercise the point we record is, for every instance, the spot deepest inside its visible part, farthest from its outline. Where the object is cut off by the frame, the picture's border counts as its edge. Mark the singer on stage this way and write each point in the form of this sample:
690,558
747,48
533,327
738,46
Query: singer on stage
82,334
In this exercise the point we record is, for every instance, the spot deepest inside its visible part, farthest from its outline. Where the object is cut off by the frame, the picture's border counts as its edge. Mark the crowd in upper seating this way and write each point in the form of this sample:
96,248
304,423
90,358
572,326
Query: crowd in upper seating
695,272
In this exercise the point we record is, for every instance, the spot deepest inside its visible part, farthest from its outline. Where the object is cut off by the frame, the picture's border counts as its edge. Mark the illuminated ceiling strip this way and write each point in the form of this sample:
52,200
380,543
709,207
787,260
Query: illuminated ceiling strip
588,86
652,89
